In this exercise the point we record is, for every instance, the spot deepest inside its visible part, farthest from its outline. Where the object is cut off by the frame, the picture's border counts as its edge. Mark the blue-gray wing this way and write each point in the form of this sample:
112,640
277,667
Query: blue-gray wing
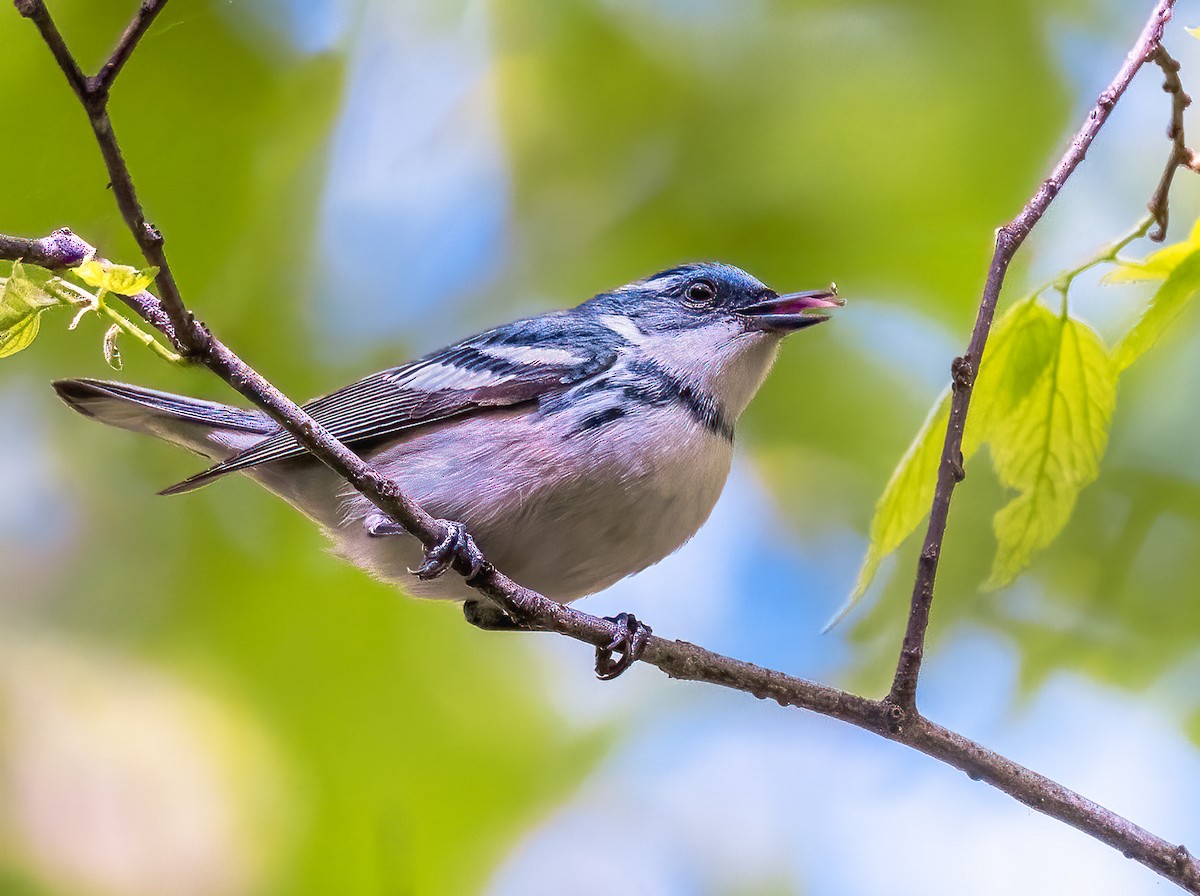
505,367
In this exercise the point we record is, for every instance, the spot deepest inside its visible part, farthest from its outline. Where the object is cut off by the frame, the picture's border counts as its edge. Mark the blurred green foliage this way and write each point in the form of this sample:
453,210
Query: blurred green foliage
417,749
875,144
792,145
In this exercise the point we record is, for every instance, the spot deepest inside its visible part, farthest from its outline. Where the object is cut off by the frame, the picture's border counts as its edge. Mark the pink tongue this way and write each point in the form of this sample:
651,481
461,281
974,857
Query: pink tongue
806,301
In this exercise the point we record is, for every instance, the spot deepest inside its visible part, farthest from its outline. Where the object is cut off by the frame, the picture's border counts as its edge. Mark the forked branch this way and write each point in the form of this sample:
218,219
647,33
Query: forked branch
965,368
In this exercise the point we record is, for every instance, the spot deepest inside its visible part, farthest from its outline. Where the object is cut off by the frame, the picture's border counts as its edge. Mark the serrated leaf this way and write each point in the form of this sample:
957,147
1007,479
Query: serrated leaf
1165,306
905,500
23,296
119,278
21,336
909,493
1044,401
22,301
1049,443
112,352
35,274
1046,383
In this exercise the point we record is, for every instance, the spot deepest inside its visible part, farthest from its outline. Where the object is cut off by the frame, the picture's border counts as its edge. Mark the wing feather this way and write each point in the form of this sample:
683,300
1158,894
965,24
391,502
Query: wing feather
505,367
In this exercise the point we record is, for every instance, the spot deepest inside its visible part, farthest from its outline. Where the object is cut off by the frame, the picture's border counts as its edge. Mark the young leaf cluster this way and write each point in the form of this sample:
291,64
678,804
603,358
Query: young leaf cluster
29,291
24,295
1043,405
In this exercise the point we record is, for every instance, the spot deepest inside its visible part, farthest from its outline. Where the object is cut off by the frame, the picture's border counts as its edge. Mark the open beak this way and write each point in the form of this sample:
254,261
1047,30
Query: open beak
794,310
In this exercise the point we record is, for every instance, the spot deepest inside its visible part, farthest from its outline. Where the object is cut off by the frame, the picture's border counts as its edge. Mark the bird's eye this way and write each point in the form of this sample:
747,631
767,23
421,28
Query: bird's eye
702,292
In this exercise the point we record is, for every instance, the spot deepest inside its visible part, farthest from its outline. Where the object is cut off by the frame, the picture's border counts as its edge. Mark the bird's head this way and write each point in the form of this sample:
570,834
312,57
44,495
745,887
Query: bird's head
699,295
712,323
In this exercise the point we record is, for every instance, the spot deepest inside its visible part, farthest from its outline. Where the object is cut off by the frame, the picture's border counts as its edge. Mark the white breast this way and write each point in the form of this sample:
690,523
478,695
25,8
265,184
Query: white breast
566,517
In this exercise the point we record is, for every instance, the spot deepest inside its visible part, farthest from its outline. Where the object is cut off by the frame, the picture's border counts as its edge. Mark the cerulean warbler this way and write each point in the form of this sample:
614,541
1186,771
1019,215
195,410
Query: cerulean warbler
577,447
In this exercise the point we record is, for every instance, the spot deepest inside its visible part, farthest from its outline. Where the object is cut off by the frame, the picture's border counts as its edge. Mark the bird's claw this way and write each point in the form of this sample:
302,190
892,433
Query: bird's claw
630,641
457,545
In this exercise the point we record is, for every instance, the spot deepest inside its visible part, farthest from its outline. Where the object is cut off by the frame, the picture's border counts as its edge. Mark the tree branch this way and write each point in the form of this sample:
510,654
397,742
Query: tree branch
61,249
965,368
892,718
36,11
100,83
190,337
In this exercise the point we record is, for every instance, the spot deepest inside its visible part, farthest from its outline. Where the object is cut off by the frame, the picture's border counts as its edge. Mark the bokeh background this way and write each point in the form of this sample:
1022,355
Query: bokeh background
197,699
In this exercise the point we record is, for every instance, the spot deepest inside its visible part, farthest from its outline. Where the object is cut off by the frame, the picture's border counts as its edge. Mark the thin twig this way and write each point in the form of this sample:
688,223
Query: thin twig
964,369
895,720
1181,156
36,11
1107,254
190,336
101,82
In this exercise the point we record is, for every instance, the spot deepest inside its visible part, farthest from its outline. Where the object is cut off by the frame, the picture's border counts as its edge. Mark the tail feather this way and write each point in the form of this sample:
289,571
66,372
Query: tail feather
213,430
192,483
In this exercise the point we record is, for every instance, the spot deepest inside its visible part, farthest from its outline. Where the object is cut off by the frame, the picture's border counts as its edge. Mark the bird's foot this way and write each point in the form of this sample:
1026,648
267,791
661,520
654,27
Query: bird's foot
457,546
630,642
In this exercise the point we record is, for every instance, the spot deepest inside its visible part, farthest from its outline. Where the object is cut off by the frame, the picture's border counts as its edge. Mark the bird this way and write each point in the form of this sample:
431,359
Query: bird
573,448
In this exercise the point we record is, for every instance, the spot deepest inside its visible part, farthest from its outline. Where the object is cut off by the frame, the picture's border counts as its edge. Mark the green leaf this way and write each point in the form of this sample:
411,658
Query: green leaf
21,336
22,301
1022,343
1166,305
119,278
905,500
23,295
1043,401
1047,428
909,493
